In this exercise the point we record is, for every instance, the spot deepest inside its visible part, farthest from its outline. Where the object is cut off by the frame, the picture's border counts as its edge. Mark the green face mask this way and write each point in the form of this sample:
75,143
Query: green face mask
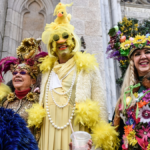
64,45
63,51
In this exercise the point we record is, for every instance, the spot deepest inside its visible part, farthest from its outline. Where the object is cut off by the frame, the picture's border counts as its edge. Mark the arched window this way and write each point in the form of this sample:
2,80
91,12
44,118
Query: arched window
33,22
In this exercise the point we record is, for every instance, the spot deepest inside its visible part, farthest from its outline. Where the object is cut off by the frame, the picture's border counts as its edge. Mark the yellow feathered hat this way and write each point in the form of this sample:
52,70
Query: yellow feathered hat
60,28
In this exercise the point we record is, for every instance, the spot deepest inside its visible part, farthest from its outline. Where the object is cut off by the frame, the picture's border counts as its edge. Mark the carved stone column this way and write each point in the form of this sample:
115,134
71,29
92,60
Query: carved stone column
3,8
111,14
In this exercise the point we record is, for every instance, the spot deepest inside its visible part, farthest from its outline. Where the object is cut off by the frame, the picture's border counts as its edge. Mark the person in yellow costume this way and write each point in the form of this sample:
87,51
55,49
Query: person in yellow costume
71,89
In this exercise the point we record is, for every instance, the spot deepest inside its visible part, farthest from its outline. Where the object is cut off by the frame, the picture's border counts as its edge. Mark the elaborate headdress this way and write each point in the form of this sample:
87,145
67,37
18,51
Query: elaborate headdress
129,46
28,54
60,28
125,38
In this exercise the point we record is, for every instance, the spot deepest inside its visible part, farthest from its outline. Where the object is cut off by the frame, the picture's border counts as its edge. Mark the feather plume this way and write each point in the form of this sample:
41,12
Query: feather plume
85,61
5,90
5,65
47,63
105,136
87,113
35,115
14,135
40,55
6,59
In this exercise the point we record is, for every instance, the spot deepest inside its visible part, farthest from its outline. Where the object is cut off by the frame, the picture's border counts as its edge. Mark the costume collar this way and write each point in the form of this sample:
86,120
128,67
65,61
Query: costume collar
62,69
30,96
21,94
84,61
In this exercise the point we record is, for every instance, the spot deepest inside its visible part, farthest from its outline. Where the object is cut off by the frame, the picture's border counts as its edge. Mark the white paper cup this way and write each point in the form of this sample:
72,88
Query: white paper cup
80,140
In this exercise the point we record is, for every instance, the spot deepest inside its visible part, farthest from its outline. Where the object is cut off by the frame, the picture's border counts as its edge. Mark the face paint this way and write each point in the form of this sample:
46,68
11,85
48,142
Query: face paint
62,45
62,49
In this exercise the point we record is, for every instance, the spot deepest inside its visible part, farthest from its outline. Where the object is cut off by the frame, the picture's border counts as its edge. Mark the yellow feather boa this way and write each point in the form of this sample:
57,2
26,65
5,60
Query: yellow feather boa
87,113
103,134
35,115
47,63
4,91
83,61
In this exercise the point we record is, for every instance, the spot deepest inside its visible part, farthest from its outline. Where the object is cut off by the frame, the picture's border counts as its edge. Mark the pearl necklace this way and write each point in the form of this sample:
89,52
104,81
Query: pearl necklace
70,89
52,122
47,107
73,80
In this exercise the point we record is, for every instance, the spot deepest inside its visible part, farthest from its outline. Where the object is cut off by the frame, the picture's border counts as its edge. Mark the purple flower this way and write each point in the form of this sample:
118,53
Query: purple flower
114,53
117,53
108,48
119,32
131,111
131,116
146,98
109,55
149,124
130,121
122,58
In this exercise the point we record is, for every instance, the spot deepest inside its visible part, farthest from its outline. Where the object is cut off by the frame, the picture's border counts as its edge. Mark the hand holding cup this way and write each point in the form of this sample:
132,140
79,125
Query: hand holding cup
89,145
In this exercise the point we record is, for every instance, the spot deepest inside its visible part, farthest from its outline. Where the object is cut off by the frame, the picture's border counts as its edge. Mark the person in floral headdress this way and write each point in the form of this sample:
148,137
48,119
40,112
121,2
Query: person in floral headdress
132,113
71,90
25,70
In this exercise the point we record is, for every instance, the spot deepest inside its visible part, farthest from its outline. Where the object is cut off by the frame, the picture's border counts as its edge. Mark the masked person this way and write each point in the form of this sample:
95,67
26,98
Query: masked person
71,89
25,70
132,115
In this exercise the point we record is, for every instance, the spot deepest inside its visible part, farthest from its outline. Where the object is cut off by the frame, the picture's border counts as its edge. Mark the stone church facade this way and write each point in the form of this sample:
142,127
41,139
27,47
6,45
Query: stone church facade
92,19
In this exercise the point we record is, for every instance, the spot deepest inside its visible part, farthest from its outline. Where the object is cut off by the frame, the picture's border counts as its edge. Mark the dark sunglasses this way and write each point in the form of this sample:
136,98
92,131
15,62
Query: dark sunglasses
56,37
21,72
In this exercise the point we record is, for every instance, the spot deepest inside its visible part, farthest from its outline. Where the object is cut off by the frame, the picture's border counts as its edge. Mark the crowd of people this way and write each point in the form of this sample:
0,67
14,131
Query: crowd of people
50,92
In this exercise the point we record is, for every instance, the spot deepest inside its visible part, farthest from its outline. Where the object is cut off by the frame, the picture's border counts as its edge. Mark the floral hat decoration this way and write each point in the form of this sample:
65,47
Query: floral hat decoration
28,54
125,38
129,46
139,42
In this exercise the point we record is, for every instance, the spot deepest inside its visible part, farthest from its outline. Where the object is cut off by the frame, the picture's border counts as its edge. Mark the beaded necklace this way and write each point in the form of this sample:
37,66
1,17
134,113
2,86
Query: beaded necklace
70,90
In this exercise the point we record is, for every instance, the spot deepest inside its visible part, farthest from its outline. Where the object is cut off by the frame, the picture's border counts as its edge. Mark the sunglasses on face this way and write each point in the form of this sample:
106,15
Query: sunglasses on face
21,72
56,37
